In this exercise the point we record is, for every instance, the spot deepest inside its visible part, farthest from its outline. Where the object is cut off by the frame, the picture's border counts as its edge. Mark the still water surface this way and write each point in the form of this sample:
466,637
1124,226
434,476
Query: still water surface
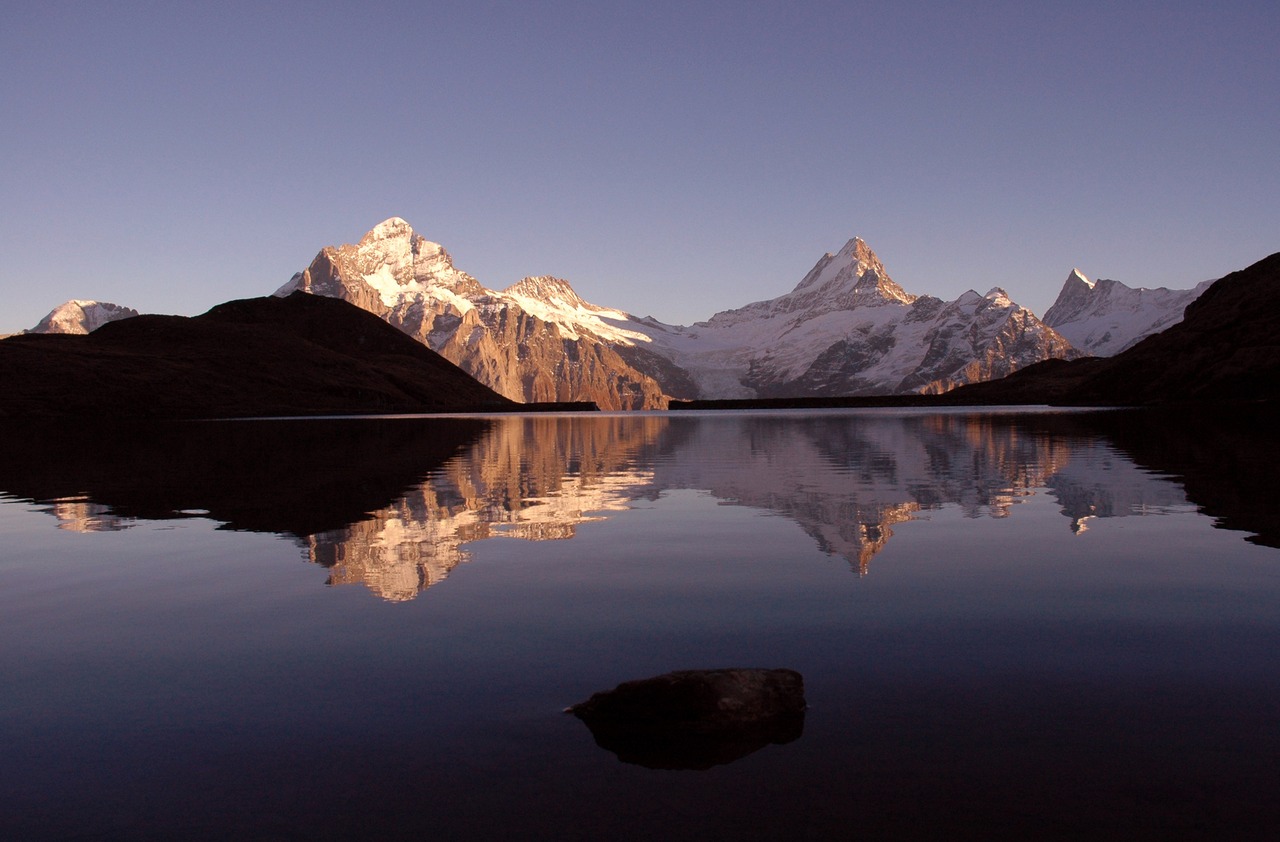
1011,624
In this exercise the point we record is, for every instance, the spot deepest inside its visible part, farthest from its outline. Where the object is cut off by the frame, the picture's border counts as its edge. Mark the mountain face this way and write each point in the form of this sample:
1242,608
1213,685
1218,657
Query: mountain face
846,328
535,341
80,317
1105,317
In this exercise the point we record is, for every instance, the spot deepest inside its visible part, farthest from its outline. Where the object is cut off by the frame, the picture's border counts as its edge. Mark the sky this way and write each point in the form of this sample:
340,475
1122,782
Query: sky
668,159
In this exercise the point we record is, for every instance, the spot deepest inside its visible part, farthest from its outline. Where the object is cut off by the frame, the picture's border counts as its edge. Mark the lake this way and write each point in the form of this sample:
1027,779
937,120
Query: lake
1009,623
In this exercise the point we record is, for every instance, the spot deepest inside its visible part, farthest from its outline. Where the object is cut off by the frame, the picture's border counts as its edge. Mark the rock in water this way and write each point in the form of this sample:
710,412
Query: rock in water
696,719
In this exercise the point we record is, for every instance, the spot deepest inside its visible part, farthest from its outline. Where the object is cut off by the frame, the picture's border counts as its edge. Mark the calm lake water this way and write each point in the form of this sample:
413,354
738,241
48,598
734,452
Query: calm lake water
1044,624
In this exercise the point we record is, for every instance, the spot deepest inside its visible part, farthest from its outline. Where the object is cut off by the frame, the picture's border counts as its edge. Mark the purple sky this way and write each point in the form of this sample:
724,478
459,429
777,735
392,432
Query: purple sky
671,159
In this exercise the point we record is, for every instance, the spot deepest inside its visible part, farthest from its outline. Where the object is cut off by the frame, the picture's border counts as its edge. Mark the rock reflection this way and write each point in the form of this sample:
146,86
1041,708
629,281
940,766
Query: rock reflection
396,504
80,514
531,478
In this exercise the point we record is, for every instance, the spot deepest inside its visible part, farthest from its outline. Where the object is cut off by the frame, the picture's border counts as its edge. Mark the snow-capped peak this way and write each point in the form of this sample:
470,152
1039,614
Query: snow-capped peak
388,229
1078,294
1077,276
858,249
553,300
853,271
1105,317
854,260
549,289
82,316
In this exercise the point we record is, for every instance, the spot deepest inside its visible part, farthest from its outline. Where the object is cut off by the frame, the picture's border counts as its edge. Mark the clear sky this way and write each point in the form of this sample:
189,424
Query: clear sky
670,159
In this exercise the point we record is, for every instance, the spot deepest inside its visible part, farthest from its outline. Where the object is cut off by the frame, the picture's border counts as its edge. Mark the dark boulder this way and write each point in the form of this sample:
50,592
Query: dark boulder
696,719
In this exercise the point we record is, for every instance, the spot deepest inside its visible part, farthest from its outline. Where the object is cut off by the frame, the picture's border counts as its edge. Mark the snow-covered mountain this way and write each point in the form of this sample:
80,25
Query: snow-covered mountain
846,328
78,316
1105,317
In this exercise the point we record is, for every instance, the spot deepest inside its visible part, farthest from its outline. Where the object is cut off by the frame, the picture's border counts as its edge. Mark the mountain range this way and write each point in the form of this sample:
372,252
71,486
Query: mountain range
845,329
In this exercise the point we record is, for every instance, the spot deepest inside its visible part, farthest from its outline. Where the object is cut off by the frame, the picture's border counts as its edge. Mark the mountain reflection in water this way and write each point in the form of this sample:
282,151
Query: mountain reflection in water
395,503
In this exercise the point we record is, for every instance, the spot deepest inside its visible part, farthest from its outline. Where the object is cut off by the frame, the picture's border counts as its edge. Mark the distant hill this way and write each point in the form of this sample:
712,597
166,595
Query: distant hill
1226,348
299,355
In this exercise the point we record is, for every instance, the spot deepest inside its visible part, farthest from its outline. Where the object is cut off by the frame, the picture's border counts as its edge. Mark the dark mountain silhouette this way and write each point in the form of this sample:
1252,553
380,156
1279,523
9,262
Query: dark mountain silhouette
300,355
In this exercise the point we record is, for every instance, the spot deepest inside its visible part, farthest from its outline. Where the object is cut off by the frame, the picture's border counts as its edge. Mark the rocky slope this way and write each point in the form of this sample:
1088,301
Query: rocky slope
301,355
1104,317
80,317
846,328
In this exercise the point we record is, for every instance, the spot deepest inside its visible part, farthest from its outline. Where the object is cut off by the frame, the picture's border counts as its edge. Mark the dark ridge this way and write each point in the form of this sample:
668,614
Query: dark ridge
556,406
300,355
1225,457
853,401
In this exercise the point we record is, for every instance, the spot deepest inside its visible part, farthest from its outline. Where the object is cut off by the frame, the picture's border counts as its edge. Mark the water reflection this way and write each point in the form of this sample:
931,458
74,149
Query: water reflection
395,504
535,479
80,514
